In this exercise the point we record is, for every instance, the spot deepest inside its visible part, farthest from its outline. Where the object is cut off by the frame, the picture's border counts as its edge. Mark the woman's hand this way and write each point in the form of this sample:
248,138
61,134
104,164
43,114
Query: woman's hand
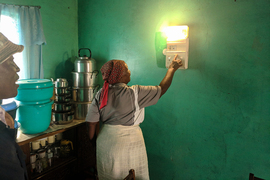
175,64
167,80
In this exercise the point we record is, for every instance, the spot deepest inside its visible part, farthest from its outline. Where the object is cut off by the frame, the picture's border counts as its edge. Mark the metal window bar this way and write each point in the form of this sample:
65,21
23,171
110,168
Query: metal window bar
21,5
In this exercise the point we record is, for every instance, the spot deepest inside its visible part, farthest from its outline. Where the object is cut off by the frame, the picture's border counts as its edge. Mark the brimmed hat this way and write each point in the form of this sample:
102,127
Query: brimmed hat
8,48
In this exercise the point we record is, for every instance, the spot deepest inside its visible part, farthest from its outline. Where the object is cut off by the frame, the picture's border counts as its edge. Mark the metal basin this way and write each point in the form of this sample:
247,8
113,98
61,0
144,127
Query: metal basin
62,107
81,79
61,99
62,91
84,94
63,117
61,82
81,110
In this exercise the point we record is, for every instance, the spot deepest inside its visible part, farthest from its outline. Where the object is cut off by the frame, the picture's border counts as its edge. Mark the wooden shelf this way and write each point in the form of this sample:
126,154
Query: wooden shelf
81,160
57,163
52,130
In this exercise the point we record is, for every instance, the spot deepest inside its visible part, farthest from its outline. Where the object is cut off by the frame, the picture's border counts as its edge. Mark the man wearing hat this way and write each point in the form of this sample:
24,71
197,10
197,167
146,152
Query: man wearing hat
12,159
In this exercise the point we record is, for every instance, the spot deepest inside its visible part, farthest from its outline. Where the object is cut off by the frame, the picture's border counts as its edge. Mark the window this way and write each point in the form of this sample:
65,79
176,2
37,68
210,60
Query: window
9,28
23,25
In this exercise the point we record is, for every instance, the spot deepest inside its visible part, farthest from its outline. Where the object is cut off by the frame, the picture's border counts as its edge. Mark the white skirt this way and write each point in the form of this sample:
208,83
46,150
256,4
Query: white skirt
119,149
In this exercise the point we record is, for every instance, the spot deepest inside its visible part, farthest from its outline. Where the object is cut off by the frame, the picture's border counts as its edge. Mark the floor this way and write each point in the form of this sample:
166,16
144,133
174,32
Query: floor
88,176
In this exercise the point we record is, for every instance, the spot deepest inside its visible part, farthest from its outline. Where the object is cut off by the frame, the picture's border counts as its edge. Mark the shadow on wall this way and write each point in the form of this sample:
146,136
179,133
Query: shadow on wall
160,45
162,171
100,61
64,69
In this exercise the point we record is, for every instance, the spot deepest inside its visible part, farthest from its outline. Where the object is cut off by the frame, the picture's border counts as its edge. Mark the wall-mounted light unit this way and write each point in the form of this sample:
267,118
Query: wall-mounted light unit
177,43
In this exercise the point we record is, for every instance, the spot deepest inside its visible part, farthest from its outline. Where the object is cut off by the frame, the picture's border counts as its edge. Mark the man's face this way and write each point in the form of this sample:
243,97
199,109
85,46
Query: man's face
8,77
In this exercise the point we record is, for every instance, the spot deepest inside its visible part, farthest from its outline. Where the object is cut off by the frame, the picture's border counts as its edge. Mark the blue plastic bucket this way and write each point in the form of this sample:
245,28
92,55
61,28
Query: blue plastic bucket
10,106
34,90
34,118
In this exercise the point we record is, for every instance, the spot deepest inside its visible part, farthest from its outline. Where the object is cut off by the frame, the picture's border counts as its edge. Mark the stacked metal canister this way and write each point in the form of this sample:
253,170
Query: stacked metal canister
62,110
84,84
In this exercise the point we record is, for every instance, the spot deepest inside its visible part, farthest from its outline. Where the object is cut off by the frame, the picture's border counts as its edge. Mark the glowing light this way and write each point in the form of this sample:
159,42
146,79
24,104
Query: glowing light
176,33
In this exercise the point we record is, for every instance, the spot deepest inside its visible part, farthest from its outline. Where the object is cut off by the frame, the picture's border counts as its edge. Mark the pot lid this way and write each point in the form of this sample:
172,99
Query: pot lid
61,80
9,104
34,83
84,58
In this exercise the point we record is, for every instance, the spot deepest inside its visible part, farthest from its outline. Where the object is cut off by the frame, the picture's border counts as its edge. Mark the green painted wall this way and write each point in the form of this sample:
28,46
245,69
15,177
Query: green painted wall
214,121
60,24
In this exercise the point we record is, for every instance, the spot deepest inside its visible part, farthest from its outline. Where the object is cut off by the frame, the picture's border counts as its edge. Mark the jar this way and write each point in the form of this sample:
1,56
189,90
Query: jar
66,148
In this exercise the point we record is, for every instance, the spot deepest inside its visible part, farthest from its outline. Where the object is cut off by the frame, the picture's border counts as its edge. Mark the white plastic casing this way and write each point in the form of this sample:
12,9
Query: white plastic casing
180,48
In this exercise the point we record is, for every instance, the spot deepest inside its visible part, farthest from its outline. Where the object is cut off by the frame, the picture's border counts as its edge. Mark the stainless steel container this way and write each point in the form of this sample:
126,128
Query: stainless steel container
81,79
84,94
85,64
62,107
81,109
61,91
63,98
60,83
63,117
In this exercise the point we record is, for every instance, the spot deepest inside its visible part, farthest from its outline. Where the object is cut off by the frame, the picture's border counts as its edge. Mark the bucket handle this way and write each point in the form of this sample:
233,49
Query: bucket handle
96,87
88,50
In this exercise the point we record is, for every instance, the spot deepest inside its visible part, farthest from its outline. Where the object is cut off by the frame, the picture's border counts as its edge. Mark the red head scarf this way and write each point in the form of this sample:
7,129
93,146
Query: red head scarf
112,72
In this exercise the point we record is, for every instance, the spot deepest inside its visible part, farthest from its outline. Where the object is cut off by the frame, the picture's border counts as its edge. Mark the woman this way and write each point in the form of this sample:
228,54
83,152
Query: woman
120,144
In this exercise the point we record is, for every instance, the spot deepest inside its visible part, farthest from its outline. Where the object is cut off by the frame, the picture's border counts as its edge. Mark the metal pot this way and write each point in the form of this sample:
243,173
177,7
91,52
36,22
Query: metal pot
62,107
81,110
85,64
64,98
84,79
63,118
60,83
62,91
84,94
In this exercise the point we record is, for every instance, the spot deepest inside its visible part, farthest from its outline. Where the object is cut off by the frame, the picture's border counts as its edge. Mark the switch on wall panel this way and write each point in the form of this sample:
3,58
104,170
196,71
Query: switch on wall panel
181,49
181,56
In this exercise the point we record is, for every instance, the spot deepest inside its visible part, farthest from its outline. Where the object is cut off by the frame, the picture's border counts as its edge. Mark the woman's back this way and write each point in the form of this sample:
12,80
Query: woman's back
125,105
